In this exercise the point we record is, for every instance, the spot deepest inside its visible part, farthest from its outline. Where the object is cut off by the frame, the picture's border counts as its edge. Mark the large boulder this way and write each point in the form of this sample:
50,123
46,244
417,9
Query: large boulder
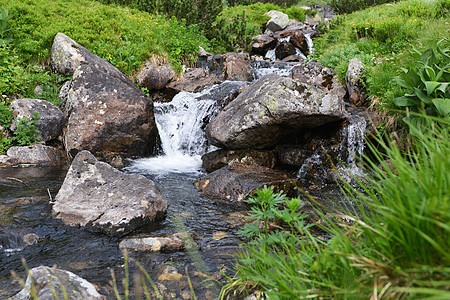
52,283
153,77
67,55
50,119
355,83
323,78
106,113
284,49
270,110
278,20
236,67
262,43
296,38
220,158
102,199
37,154
193,80
238,182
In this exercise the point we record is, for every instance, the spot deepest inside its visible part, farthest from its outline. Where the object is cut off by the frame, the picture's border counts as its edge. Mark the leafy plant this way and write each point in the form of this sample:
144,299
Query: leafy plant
345,7
389,239
27,132
5,17
426,85
5,114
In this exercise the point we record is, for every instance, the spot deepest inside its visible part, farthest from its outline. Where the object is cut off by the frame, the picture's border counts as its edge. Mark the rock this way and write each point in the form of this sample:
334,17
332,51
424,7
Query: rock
323,78
291,155
214,64
236,67
8,161
238,182
262,43
218,235
173,242
107,114
278,20
296,38
155,78
67,55
193,81
102,199
354,82
284,49
292,58
37,154
49,122
170,273
48,281
271,109
220,158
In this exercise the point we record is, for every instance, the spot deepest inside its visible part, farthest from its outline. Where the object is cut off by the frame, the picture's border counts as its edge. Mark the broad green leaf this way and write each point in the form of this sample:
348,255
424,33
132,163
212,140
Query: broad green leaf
441,72
442,106
431,86
424,98
402,83
430,72
411,78
444,87
405,101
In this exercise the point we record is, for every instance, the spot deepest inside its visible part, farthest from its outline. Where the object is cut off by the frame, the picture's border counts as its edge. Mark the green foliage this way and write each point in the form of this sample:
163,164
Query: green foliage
392,242
5,114
5,144
5,16
26,132
426,85
282,3
126,37
345,7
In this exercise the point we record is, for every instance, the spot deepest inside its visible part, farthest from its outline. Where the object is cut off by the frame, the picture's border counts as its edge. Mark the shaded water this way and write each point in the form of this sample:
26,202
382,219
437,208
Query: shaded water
25,215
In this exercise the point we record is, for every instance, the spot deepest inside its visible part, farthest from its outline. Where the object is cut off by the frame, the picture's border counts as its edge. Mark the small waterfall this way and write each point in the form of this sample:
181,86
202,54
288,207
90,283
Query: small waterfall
312,162
309,42
262,68
353,144
270,54
181,125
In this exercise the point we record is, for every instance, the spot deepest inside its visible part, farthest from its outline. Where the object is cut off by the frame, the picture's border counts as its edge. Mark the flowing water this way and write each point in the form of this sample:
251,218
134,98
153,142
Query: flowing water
27,229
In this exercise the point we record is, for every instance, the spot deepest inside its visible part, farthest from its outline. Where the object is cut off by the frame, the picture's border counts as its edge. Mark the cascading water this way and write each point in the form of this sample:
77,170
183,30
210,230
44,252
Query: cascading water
181,125
353,143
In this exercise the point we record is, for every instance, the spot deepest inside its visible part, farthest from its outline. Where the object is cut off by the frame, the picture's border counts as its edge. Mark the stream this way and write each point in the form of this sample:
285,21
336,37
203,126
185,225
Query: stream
28,231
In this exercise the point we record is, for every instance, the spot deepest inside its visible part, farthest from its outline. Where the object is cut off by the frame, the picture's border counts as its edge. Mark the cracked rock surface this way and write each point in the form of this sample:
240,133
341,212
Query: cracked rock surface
100,198
270,110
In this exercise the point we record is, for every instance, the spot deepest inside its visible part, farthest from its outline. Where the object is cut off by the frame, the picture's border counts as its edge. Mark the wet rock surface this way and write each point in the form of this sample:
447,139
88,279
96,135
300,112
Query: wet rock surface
193,81
49,281
355,83
100,198
215,160
270,109
38,154
155,77
169,243
50,119
237,182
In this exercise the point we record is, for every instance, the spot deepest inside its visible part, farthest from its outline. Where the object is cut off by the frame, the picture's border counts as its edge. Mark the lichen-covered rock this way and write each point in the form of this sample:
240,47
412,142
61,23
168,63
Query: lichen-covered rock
155,78
323,78
37,154
50,281
107,114
50,120
271,109
193,81
100,198
354,82
278,20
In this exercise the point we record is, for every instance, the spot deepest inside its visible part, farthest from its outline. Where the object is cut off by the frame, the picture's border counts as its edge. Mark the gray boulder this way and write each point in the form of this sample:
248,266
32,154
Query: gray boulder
35,155
220,158
278,20
236,67
49,122
237,182
100,198
262,43
106,113
354,82
48,281
323,78
193,80
155,78
271,109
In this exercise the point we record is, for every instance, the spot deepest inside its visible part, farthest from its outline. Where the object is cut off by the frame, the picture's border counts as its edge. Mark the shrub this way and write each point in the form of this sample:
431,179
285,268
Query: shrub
388,240
345,6
283,3
426,85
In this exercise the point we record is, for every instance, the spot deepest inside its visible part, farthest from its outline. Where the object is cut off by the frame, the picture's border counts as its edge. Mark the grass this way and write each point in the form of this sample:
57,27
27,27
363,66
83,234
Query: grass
393,243
382,37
